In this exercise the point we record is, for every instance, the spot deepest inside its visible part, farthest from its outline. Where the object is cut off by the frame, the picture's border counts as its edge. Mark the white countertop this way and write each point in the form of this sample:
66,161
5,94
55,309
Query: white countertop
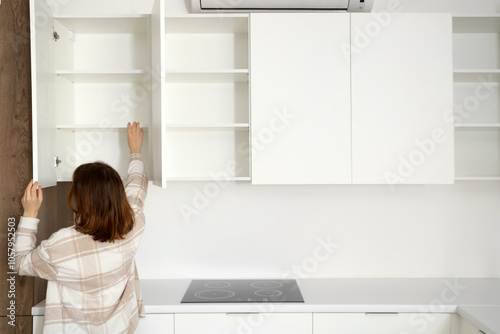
478,300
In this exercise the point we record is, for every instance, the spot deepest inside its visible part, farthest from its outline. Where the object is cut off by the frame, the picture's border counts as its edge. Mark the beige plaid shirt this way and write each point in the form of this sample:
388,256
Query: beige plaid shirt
93,286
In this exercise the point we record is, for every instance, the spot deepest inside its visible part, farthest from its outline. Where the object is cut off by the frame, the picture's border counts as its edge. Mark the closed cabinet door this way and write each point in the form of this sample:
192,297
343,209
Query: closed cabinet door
402,102
256,323
38,324
42,93
156,323
398,323
300,98
152,323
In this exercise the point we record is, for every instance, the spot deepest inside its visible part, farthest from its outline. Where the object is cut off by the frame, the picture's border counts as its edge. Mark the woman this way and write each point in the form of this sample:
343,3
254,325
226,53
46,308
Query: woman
93,284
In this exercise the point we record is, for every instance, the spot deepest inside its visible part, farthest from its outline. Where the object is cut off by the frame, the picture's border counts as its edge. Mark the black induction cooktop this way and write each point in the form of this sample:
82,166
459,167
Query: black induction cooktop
243,291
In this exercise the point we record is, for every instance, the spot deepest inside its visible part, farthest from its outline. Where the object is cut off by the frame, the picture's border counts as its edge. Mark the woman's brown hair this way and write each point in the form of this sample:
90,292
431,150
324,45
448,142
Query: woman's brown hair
98,200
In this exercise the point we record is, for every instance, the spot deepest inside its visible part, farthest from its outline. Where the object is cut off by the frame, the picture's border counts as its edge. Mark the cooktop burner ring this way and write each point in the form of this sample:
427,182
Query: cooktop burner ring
268,293
266,285
214,294
218,285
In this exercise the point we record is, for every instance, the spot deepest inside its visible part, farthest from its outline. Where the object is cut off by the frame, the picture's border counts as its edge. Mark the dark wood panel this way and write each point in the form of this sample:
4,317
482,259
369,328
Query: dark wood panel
54,215
15,136
23,325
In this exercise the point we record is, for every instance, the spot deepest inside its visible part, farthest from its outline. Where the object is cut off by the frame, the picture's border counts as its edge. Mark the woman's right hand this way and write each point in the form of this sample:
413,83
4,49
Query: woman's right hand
32,201
135,134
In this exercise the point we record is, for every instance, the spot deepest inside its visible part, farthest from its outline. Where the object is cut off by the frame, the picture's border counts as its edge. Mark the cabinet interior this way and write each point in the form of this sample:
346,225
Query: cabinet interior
100,84
476,57
206,97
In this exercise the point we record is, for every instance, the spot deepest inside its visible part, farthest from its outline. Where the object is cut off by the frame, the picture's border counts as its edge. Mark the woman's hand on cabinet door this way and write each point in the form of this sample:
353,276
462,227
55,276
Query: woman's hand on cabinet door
32,200
135,134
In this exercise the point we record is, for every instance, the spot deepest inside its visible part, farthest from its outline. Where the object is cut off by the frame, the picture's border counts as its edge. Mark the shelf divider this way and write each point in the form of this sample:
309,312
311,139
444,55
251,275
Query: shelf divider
476,75
477,178
206,76
87,127
132,76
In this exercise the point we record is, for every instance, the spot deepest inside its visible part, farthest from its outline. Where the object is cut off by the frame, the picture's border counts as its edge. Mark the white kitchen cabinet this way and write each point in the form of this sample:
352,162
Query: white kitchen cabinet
300,98
477,97
258,323
364,98
156,323
402,98
90,77
206,113
277,100
381,323
152,323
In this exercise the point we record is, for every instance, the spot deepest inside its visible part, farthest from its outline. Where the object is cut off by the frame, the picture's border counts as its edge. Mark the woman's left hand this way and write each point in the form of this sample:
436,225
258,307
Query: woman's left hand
31,200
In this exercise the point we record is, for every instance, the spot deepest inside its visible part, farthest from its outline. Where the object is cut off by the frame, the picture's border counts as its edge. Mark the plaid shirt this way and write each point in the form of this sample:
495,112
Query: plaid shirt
93,286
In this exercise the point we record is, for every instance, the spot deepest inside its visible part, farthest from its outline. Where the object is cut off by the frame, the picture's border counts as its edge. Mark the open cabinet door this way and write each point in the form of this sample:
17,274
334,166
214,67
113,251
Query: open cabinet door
42,90
157,79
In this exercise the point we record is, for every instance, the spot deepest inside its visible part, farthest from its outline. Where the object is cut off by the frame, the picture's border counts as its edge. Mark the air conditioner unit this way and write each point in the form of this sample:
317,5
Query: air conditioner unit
201,6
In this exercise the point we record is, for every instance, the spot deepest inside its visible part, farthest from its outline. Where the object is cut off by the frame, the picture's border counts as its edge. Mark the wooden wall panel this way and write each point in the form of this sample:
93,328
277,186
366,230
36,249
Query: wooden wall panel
16,159
15,135
53,216
23,325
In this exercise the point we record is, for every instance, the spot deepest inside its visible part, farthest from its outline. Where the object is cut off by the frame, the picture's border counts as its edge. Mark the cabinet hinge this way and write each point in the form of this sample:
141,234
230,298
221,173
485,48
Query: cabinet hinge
55,35
57,161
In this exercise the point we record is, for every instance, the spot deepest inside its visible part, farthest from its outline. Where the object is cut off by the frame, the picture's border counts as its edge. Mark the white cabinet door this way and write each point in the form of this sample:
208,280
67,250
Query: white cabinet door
156,323
300,98
157,126
402,102
42,93
152,323
256,323
361,323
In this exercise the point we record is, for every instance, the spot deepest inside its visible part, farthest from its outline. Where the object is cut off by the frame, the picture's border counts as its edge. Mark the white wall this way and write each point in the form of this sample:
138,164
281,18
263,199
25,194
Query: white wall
260,231
264,231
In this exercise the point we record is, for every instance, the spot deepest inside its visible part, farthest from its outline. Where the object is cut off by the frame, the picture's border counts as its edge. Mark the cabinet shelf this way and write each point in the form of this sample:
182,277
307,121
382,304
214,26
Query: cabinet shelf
116,24
204,178
477,178
208,76
134,76
87,127
478,126
476,75
208,127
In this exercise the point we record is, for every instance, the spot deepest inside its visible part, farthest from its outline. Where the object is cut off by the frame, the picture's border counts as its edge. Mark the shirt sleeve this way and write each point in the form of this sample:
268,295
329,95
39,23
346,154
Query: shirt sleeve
136,186
32,261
